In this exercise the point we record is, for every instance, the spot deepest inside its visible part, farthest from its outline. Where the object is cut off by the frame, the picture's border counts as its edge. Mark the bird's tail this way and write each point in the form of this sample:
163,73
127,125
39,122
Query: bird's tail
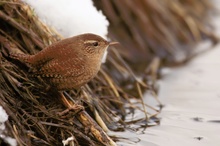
21,57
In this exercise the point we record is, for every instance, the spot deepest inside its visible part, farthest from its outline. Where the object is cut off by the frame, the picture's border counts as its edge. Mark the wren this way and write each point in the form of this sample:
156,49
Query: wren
69,63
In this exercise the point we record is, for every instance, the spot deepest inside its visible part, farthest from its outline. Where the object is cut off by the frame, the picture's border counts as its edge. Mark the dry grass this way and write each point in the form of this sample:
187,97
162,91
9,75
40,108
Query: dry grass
165,28
150,30
34,113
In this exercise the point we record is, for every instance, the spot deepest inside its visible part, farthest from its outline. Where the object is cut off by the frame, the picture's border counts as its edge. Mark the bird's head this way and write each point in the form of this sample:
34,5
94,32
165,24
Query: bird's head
94,45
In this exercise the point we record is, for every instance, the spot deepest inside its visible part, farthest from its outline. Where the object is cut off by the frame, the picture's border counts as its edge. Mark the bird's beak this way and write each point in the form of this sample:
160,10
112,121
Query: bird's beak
113,43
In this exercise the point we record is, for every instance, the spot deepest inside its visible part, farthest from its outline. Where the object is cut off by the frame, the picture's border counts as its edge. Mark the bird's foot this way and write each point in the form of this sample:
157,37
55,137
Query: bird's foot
75,108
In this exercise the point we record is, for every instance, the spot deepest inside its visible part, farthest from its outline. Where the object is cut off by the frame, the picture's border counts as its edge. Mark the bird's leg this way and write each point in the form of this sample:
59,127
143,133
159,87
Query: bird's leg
78,92
71,105
47,87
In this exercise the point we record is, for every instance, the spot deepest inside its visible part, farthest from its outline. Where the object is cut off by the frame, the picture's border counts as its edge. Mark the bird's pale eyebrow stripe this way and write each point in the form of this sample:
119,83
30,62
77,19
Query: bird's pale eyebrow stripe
90,41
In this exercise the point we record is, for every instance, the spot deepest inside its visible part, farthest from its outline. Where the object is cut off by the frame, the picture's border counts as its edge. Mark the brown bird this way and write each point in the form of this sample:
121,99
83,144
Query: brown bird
69,63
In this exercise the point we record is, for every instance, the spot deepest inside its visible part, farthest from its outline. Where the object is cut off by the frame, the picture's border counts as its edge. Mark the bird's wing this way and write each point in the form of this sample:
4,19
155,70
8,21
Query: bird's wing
65,48
61,68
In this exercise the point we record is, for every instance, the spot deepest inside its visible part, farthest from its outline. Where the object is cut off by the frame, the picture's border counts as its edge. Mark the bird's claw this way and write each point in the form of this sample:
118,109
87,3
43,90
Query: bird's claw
76,108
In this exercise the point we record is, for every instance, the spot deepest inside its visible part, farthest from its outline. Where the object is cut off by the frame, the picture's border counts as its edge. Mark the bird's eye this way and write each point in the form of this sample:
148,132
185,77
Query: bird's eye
95,44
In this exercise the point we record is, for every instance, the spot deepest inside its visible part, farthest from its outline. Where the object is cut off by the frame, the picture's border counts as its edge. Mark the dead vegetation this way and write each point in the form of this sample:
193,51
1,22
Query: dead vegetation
158,32
165,28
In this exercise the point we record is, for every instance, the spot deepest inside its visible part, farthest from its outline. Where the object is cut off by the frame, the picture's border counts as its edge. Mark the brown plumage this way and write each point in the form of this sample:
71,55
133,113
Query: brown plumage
69,63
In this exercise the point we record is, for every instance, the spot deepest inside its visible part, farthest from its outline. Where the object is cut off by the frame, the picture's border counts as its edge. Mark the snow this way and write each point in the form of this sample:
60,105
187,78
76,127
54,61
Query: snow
3,119
71,17
68,141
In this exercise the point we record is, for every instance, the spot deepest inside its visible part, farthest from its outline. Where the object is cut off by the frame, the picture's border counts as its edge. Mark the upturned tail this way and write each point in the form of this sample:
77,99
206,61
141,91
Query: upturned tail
21,57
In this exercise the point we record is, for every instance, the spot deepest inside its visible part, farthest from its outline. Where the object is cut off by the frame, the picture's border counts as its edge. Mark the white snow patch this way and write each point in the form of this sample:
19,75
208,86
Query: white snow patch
71,17
68,141
3,119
